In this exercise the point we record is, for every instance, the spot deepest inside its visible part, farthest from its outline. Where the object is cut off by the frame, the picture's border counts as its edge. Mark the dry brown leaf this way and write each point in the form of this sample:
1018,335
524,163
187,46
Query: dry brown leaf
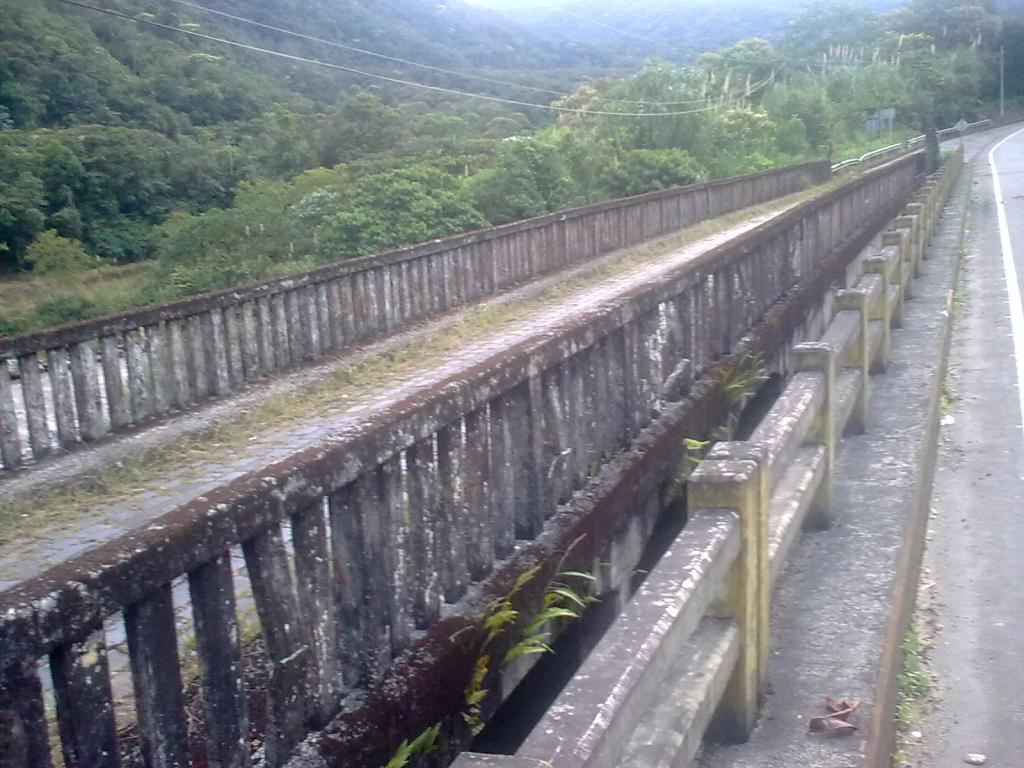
831,726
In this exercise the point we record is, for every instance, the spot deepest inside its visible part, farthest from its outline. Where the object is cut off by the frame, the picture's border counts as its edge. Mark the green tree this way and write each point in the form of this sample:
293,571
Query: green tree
826,26
529,178
646,170
49,253
397,208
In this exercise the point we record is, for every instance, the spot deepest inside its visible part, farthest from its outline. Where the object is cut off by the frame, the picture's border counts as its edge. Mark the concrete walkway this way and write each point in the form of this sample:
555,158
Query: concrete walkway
836,613
975,615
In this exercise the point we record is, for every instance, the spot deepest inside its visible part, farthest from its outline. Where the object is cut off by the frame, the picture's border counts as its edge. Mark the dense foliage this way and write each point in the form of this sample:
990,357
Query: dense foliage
122,143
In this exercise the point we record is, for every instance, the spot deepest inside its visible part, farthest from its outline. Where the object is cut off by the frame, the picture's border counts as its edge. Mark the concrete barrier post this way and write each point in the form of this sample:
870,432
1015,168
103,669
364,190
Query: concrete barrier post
920,212
755,452
915,248
821,358
883,310
857,299
736,483
899,239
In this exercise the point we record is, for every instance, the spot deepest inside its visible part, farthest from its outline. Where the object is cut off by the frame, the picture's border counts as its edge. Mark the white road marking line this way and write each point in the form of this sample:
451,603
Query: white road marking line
1010,272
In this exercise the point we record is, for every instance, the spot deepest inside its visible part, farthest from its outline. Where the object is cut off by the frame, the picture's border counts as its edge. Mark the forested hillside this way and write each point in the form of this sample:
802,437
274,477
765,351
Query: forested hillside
109,126
619,26
131,138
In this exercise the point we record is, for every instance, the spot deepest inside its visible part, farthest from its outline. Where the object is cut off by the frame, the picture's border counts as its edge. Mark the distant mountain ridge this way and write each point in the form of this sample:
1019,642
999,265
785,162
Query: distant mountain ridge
666,28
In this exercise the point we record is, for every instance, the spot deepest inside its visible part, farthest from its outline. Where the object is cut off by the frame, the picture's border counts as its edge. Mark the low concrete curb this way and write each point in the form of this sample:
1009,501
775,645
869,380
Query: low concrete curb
882,735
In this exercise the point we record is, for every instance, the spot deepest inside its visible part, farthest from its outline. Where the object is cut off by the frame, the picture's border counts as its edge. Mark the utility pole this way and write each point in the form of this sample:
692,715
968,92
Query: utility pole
1002,81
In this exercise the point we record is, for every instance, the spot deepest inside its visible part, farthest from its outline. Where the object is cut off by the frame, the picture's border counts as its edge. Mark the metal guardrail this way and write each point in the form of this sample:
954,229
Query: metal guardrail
907,145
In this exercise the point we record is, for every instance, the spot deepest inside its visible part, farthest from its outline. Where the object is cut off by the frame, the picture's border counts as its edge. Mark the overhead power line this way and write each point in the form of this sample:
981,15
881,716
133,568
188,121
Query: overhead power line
408,62
394,80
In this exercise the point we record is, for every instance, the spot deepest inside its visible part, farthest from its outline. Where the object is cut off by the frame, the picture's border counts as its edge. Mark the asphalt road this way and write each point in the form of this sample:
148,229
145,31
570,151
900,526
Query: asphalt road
973,603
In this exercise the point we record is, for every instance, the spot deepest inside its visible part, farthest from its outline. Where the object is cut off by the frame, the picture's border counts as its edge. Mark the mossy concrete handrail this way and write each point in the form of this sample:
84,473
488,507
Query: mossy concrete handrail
114,373
689,652
404,526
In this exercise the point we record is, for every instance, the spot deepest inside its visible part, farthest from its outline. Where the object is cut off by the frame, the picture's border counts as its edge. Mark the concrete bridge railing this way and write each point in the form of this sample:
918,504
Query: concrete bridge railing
689,652
404,530
78,383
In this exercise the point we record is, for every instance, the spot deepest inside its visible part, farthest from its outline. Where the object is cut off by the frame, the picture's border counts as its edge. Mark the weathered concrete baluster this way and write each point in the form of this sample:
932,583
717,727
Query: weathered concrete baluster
266,336
577,413
10,441
139,381
614,410
380,288
336,310
648,368
365,304
349,329
156,674
323,318
35,404
282,346
402,284
423,537
313,576
346,517
556,439
215,349
736,483
160,367
374,496
681,375
522,409
234,341
451,561
288,691
297,319
180,377
226,714
591,428
395,557
250,341
24,738
501,479
475,475
384,281
85,379
113,382
633,394
85,705
195,344
63,394
311,323
821,358
608,438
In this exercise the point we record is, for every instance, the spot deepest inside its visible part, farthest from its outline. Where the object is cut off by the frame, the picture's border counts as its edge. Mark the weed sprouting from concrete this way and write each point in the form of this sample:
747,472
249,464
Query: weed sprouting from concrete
915,682
423,744
744,380
561,602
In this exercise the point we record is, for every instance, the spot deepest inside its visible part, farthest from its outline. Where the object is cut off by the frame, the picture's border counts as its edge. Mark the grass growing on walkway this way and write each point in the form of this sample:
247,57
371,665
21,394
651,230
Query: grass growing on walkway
350,385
